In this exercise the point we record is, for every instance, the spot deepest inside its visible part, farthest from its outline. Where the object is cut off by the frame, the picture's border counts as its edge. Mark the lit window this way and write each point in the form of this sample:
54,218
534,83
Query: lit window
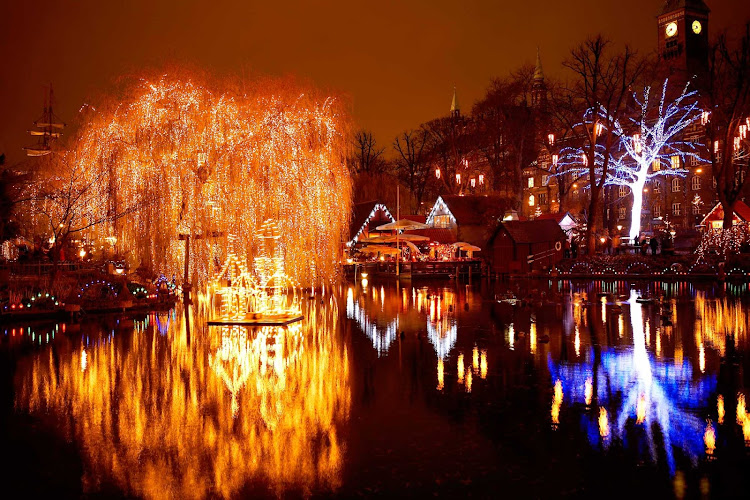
675,185
531,200
458,178
693,161
657,187
473,182
676,208
442,221
696,182
481,179
675,161
542,198
656,165
657,210
531,182
622,213
696,210
623,191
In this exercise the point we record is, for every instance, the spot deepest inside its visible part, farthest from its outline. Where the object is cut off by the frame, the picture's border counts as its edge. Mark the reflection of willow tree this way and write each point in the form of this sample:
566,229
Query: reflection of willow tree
715,319
215,159
150,412
647,392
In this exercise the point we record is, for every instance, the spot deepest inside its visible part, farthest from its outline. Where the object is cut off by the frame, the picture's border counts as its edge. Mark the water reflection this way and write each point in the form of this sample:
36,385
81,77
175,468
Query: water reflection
204,414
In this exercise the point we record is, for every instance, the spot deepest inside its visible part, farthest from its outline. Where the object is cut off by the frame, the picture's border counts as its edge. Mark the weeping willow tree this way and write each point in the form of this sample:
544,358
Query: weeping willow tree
213,161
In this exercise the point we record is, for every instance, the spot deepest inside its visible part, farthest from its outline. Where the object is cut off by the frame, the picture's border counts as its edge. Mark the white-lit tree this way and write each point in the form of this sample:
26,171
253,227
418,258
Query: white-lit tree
646,145
650,146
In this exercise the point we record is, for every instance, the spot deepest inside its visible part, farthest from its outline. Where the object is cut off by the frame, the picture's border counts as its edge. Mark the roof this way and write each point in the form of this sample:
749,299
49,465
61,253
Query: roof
741,210
557,217
415,218
476,210
361,215
532,231
439,234
672,5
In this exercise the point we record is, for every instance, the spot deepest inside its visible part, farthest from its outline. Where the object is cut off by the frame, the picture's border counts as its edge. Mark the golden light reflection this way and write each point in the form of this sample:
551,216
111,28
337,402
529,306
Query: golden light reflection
460,368
717,317
483,364
532,338
709,438
588,391
720,408
603,423
475,359
511,336
557,398
741,412
577,342
440,375
641,409
199,414
468,380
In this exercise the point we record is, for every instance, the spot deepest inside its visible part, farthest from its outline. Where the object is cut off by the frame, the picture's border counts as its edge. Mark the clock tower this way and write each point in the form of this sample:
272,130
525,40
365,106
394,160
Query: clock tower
683,37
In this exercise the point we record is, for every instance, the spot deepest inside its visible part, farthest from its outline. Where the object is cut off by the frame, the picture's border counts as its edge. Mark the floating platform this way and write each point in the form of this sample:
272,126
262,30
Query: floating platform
257,321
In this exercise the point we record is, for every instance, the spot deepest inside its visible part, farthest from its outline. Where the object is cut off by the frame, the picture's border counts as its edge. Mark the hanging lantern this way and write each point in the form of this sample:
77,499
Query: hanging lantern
551,139
716,146
458,178
584,159
481,179
473,182
637,143
437,173
554,160
704,118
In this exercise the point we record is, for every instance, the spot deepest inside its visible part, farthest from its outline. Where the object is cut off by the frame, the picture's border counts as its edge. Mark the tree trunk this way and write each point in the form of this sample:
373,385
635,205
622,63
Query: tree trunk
591,226
728,212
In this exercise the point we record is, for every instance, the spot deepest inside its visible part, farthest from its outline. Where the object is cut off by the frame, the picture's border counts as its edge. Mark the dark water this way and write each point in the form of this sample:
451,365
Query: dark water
393,391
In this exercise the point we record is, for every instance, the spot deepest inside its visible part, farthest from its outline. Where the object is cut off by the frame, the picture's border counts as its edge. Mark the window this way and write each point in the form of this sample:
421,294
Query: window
657,187
623,191
676,208
674,161
696,209
696,182
656,165
443,221
675,185
531,199
693,161
531,182
657,210
622,213
542,198
545,180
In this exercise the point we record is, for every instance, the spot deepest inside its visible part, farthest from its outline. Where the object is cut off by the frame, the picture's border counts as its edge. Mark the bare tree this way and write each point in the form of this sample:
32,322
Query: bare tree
412,162
726,101
599,94
367,156
450,145
506,125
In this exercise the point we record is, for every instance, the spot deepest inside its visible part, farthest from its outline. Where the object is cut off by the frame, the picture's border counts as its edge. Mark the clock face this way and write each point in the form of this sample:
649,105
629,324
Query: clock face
671,29
697,27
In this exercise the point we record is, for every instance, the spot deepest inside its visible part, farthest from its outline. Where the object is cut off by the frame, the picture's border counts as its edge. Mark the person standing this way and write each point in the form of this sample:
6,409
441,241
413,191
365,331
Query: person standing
654,245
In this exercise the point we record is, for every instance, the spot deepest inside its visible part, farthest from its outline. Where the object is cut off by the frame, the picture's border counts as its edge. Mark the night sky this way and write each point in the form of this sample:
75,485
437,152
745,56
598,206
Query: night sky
396,60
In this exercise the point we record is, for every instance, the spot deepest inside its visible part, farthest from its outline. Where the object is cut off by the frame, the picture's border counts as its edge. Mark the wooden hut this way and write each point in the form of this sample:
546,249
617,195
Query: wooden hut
523,246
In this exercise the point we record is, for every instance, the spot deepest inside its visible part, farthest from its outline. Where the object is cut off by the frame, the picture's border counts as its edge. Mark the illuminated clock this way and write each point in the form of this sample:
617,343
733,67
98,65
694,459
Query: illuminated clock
697,27
671,29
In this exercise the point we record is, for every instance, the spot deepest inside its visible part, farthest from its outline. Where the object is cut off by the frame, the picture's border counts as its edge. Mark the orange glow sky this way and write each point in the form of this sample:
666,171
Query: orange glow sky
397,60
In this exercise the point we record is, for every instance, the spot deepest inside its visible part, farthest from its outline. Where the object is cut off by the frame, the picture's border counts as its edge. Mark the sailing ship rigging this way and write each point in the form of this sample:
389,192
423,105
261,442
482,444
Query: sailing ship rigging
47,128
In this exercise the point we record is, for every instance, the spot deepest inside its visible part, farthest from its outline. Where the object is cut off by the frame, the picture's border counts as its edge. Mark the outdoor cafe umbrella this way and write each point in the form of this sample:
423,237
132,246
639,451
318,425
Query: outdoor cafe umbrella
380,249
405,237
466,246
402,225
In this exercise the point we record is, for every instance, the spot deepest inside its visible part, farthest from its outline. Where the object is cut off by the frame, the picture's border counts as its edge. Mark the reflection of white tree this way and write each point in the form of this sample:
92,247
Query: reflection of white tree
381,336
441,327
653,394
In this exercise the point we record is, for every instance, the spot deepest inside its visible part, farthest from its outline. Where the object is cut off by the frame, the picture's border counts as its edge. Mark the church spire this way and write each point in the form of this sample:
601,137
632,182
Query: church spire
538,73
455,109
539,87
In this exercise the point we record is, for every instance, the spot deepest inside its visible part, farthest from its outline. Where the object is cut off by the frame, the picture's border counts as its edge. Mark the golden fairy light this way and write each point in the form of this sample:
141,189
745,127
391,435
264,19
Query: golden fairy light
603,423
557,399
720,408
176,162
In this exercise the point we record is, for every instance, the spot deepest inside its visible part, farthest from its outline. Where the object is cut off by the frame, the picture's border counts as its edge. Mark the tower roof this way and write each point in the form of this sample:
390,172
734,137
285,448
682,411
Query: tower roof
672,5
538,73
454,103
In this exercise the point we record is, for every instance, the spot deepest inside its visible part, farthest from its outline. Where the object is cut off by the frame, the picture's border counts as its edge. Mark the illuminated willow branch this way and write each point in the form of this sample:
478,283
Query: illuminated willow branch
206,161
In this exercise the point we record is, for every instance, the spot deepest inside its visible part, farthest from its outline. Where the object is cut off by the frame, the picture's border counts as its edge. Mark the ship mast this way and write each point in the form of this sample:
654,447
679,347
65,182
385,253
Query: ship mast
47,128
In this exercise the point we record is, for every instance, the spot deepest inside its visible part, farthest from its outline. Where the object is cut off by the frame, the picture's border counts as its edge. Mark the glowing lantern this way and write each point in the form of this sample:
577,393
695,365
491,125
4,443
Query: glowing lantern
473,182
637,143
481,179
458,178
716,146
551,139
437,173
704,118
554,160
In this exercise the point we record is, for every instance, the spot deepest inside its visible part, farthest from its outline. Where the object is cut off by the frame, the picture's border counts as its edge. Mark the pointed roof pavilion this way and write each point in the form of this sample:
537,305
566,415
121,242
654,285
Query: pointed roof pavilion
538,72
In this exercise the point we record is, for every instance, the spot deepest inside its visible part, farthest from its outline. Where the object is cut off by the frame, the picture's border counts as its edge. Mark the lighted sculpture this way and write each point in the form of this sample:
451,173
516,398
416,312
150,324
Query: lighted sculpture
267,296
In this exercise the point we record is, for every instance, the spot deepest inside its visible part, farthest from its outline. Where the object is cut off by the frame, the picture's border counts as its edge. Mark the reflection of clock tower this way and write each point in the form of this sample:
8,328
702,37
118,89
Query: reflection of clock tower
683,36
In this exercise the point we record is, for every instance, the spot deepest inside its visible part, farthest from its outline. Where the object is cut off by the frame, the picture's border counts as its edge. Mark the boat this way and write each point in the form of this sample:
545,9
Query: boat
48,128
